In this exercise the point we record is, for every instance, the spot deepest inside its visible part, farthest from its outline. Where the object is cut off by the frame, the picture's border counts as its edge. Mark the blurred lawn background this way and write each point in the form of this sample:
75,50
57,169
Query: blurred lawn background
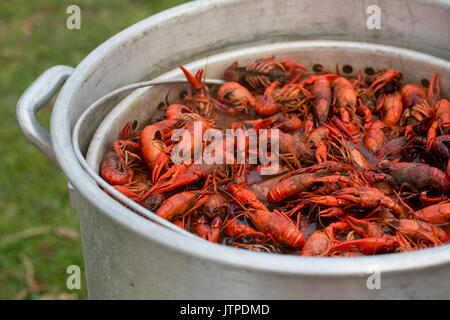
39,232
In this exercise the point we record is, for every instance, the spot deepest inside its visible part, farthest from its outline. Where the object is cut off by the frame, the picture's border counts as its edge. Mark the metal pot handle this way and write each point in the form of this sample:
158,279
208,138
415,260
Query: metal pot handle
32,100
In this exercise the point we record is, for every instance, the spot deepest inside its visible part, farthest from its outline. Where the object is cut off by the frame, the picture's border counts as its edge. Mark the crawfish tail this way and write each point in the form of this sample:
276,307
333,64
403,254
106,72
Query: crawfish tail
280,228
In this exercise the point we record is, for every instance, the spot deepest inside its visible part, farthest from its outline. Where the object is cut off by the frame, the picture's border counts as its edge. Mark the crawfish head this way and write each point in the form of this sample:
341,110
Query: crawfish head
246,196
387,78
216,205
345,93
237,95
316,244
366,197
412,95
436,214
290,187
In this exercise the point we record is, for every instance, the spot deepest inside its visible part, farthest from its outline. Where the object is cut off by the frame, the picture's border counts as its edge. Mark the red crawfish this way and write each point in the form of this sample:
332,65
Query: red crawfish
152,142
308,124
440,146
178,111
212,205
126,150
420,230
266,105
317,138
319,243
293,145
186,176
374,136
412,95
392,108
368,246
391,148
200,100
384,79
261,189
246,196
376,241
127,191
285,122
366,228
111,172
127,132
292,96
442,116
192,143
363,197
322,96
234,229
436,214
345,93
296,182
280,228
352,154
233,93
197,88
365,113
346,98
376,238
213,208
416,107
316,244
183,203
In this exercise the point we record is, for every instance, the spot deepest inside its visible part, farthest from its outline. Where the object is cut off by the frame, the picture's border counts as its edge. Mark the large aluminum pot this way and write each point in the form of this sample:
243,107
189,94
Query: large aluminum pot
127,256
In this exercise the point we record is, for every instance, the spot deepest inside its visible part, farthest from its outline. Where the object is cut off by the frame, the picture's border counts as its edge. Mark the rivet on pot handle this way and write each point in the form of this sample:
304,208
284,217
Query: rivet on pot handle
32,100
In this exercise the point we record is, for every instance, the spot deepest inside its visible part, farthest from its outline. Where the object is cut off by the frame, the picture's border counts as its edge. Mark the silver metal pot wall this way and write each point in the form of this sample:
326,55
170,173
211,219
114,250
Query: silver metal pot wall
127,256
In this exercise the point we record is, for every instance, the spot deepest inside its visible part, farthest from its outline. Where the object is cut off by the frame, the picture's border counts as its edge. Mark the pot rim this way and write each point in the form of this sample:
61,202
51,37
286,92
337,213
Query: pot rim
198,248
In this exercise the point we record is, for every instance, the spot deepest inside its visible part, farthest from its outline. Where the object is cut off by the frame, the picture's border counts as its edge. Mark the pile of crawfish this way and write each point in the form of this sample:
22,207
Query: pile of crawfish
363,162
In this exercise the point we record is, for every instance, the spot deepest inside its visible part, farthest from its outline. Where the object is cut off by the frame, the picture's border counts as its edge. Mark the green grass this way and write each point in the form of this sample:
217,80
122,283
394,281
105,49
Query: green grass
39,232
